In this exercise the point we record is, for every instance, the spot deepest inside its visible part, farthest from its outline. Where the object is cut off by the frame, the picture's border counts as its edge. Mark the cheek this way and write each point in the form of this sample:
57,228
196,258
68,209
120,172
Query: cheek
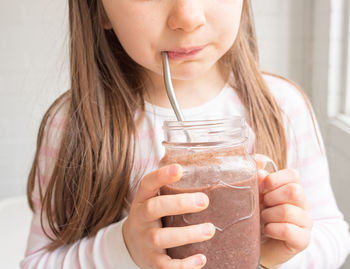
136,31
131,36
132,41
225,22
138,45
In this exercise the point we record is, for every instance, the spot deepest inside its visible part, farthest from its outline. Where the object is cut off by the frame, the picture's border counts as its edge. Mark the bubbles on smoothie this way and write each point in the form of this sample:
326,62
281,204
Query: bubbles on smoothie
209,174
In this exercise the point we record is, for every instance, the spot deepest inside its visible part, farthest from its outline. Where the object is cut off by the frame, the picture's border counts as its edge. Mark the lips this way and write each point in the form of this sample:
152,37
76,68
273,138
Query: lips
182,53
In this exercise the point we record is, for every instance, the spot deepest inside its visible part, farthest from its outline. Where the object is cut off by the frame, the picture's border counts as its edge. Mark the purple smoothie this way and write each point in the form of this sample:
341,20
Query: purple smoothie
234,210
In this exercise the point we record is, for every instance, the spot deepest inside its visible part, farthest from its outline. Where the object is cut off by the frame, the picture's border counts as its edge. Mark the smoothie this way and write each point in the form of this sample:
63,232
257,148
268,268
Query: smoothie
233,209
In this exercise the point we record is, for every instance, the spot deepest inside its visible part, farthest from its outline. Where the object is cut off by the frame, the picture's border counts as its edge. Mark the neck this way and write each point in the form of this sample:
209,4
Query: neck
189,93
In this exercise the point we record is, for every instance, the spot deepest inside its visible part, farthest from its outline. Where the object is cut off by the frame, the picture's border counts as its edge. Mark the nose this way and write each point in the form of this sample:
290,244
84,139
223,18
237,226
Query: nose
187,15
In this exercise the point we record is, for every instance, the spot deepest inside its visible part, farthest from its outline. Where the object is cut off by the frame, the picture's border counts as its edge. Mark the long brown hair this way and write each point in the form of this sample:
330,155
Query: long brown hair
90,179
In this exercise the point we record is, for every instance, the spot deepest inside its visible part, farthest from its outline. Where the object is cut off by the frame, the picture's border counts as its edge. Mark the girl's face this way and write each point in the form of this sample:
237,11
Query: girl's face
196,33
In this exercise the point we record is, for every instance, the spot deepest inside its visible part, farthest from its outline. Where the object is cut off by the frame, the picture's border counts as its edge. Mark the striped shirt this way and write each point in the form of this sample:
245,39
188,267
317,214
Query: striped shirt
330,239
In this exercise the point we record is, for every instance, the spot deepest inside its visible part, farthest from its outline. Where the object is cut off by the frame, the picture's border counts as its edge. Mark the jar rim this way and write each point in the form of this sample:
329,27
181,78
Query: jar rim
236,121
205,145
213,133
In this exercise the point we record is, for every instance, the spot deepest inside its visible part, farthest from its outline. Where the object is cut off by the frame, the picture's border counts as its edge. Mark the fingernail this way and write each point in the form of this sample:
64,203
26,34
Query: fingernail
173,170
208,229
262,173
200,201
261,187
200,260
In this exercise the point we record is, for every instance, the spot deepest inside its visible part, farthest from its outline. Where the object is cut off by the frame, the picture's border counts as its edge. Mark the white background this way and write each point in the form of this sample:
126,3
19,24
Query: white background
295,40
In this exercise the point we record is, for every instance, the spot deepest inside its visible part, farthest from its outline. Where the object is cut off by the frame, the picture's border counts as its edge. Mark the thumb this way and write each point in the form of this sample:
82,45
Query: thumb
261,161
152,182
262,174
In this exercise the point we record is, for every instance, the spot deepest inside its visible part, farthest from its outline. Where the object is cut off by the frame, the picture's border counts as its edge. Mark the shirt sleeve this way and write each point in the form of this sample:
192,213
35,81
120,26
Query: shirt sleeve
105,250
330,239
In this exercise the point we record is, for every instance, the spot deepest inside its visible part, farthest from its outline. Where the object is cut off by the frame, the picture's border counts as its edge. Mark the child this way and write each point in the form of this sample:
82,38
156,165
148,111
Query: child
94,181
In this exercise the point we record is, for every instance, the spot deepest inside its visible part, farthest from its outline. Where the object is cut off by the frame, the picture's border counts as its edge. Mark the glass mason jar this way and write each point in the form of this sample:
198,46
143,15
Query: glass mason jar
215,161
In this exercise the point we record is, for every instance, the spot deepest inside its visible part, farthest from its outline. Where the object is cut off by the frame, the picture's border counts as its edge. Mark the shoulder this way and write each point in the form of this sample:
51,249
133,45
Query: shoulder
49,139
297,110
59,109
288,95
54,120
286,92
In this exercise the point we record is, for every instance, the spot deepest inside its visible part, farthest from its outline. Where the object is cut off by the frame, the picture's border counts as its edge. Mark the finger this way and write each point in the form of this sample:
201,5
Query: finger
295,237
287,213
162,238
168,205
291,193
193,262
280,178
260,161
152,182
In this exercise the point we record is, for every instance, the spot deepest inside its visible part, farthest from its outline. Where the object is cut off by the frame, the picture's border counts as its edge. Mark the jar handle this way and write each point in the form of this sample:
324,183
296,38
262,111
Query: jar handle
265,163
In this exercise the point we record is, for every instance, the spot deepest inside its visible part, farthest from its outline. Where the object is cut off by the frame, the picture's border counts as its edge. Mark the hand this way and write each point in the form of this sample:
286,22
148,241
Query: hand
144,236
284,215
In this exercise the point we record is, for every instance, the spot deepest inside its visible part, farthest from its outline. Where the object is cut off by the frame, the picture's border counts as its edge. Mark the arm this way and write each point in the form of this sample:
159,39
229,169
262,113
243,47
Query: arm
330,240
105,250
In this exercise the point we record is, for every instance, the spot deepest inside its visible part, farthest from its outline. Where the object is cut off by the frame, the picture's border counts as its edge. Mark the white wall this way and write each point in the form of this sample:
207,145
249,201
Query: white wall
32,72
284,38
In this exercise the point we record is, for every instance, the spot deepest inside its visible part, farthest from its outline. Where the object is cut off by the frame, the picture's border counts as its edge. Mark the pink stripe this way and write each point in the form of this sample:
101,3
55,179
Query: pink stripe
37,229
308,138
32,253
103,250
146,133
57,123
298,111
25,263
28,261
64,257
236,100
306,161
304,137
91,246
312,265
290,144
48,260
36,202
77,263
49,152
44,179
146,162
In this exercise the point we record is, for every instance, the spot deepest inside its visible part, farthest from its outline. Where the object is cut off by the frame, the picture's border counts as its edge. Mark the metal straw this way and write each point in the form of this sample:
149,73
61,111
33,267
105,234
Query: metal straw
171,93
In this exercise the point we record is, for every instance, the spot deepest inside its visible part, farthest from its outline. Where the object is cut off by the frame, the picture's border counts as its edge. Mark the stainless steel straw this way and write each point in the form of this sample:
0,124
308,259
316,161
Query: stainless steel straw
170,92
169,87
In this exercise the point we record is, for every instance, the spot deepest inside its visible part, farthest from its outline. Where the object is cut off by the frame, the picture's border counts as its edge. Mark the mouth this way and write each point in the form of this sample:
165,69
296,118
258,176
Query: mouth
183,53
